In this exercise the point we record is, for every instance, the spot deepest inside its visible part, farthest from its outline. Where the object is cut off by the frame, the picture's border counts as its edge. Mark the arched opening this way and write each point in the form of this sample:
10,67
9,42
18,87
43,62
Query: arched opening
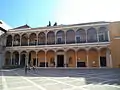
70,37
23,58
7,58
93,58
50,38
9,40
33,61
41,38
15,58
32,39
41,58
103,34
24,40
16,40
60,62
81,58
91,35
50,58
71,60
80,36
60,37
103,58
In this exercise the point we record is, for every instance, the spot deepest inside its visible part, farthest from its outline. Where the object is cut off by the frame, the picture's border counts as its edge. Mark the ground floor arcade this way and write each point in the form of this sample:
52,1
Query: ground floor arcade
91,57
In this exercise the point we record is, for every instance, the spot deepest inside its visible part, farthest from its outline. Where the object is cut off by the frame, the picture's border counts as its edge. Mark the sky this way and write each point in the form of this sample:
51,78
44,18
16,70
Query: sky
38,13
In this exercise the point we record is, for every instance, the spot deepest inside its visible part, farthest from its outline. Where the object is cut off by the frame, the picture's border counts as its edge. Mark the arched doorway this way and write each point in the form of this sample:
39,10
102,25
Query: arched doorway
23,58
103,34
15,60
41,38
16,40
60,37
103,59
81,58
7,58
91,35
24,40
70,37
32,58
60,60
9,40
50,38
80,36
32,39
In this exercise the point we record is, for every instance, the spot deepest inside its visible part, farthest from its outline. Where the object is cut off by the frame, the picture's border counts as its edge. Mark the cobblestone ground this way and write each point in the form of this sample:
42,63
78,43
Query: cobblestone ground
60,79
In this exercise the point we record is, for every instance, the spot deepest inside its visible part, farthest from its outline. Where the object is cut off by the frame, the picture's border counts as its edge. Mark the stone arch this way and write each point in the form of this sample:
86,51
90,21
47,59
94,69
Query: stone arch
104,57
71,59
41,38
81,58
103,34
41,58
23,58
16,41
32,39
24,40
9,40
80,36
93,59
70,36
7,58
15,58
60,37
50,38
50,58
91,35
60,50
32,58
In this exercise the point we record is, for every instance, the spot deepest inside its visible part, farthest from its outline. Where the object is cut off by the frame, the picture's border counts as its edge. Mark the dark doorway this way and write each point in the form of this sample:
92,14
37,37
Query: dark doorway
34,62
22,61
60,60
81,64
29,61
42,64
103,61
17,59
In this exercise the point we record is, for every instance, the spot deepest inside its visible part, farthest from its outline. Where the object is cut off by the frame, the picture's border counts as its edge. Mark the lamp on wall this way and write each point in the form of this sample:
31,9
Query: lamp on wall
93,63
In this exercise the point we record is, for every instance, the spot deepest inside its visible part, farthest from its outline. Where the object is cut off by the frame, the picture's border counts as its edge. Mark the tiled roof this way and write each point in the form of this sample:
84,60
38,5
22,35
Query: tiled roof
24,26
2,29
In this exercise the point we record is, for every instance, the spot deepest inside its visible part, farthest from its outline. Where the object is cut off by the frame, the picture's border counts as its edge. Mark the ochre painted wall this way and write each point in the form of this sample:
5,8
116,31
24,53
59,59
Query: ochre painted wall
103,52
33,56
50,54
93,56
81,56
114,28
41,56
71,54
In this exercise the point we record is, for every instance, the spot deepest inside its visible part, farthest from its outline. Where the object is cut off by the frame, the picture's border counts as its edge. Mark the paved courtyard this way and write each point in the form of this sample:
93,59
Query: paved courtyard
60,79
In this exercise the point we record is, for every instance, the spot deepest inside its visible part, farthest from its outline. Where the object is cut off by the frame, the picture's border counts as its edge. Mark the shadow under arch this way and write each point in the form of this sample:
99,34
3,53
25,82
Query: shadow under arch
23,56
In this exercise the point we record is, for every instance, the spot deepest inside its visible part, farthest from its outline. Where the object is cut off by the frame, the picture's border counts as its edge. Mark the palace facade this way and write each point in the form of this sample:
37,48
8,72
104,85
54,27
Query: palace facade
95,44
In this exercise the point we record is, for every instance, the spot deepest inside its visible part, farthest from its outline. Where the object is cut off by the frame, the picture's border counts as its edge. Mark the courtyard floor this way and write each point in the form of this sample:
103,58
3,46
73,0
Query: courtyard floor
60,79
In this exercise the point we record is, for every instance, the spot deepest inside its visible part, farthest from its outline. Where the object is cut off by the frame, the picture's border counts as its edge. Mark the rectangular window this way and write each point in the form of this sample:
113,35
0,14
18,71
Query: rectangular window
59,40
78,39
101,37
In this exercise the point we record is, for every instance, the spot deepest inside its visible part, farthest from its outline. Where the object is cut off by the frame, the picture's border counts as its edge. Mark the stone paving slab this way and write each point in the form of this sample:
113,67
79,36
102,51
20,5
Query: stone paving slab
60,80
57,87
10,85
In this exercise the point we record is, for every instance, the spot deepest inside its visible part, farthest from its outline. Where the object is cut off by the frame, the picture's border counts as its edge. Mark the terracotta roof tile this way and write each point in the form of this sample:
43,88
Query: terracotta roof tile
24,26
